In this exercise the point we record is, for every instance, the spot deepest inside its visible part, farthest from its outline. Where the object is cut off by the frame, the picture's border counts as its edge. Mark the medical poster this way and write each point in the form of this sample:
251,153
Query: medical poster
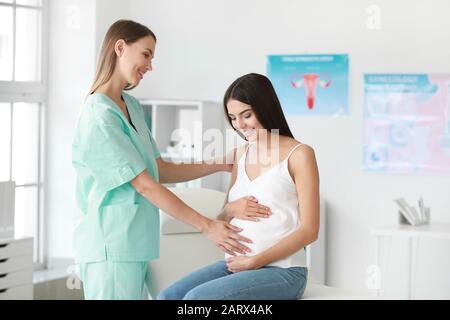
407,123
313,85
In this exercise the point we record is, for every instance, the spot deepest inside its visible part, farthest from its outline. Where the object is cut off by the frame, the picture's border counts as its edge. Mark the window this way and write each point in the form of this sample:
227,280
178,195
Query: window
22,103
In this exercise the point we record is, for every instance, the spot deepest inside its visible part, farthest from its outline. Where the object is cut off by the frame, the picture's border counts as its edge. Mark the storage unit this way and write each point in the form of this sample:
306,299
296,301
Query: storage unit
389,238
7,204
16,269
186,132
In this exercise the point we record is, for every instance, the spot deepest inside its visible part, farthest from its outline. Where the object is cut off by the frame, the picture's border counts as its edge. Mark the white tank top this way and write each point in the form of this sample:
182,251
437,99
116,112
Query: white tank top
275,189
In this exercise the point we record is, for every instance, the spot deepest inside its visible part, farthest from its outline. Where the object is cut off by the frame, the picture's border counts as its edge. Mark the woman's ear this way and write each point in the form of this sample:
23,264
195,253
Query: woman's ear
119,47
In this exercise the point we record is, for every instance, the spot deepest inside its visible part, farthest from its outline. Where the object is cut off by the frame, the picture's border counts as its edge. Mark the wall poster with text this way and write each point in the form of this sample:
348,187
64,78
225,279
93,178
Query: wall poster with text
407,123
310,84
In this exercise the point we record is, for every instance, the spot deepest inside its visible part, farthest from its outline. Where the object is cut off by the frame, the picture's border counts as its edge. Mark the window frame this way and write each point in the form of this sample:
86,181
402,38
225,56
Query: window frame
32,92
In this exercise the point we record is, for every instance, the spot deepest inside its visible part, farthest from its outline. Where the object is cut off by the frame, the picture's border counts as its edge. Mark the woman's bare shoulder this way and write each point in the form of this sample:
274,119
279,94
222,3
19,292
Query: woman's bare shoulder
288,143
303,158
302,153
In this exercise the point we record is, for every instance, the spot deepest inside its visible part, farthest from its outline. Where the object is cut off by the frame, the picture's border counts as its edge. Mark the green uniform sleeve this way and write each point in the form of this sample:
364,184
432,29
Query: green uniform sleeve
109,153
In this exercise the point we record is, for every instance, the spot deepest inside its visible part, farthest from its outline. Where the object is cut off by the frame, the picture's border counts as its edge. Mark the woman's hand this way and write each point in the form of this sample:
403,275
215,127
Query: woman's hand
246,208
241,263
226,237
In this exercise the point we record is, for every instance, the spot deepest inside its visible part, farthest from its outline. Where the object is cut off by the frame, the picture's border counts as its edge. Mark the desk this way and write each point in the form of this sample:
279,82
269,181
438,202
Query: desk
413,235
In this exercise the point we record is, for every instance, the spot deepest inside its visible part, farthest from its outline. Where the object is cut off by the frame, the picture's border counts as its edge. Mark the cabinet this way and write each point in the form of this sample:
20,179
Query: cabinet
413,234
7,204
16,269
187,131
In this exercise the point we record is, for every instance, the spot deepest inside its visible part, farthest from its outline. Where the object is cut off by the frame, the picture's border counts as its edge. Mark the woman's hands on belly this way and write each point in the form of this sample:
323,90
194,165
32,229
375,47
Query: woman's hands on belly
263,233
247,208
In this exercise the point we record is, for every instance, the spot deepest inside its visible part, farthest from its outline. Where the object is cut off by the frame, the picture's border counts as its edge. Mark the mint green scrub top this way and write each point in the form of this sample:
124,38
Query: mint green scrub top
115,222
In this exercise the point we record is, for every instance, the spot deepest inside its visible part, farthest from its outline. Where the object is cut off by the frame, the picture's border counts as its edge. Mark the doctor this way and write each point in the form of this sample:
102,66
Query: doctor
119,171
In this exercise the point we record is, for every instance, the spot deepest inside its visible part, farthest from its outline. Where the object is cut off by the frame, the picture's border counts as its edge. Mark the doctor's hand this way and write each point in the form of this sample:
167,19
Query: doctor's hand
246,208
226,237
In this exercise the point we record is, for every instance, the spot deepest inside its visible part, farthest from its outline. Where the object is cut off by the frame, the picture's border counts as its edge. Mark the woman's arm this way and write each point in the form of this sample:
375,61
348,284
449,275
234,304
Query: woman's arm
223,234
172,172
304,168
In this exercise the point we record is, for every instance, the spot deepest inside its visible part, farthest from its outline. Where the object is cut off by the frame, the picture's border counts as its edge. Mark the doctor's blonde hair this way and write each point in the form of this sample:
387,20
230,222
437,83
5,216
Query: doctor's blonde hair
127,30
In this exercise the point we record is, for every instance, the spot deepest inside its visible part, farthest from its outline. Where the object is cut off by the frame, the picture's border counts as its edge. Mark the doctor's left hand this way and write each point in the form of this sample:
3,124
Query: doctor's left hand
226,237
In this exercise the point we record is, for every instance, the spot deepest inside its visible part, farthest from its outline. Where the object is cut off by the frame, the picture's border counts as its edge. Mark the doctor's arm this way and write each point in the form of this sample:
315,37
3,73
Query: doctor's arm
306,176
170,172
223,234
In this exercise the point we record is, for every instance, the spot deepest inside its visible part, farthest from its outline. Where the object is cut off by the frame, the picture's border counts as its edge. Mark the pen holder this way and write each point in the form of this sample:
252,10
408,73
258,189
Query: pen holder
426,219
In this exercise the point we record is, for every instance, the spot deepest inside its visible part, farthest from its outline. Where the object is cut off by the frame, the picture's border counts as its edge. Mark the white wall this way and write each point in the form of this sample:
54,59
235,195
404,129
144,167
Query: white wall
71,65
77,28
204,45
107,12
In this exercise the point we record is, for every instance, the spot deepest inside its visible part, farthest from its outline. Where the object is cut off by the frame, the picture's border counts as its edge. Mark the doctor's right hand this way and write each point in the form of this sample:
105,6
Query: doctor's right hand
246,208
226,237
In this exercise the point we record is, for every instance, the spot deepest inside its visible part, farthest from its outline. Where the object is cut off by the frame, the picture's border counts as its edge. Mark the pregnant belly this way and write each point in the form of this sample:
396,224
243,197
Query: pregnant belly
263,233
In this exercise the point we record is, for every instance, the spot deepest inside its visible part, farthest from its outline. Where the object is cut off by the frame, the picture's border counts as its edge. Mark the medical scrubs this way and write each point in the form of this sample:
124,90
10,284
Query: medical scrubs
117,232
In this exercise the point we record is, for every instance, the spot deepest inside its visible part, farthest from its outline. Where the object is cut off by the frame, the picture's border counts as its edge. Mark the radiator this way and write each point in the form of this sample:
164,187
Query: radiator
7,202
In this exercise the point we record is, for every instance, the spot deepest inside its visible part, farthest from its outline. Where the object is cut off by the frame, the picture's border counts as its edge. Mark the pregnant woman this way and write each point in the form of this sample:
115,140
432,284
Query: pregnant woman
275,266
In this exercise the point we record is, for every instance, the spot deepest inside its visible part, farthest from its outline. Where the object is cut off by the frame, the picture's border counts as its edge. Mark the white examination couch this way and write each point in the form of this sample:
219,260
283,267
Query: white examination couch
184,249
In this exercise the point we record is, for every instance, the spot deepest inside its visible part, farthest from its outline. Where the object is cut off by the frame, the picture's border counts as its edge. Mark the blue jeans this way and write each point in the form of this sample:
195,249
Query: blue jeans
215,282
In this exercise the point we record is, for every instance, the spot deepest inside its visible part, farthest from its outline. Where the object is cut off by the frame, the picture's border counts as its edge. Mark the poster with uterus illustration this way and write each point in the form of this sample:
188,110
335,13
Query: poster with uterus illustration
308,84
407,123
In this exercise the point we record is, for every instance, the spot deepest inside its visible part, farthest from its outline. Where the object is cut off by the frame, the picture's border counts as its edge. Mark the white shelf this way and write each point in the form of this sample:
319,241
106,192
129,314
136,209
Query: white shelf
178,158
182,123
431,230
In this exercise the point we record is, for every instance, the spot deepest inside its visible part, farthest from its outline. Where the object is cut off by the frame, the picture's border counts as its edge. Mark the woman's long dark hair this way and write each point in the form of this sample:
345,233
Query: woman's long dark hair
257,91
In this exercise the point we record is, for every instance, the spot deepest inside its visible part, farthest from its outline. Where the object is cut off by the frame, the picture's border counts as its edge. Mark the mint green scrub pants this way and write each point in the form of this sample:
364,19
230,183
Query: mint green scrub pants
108,280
